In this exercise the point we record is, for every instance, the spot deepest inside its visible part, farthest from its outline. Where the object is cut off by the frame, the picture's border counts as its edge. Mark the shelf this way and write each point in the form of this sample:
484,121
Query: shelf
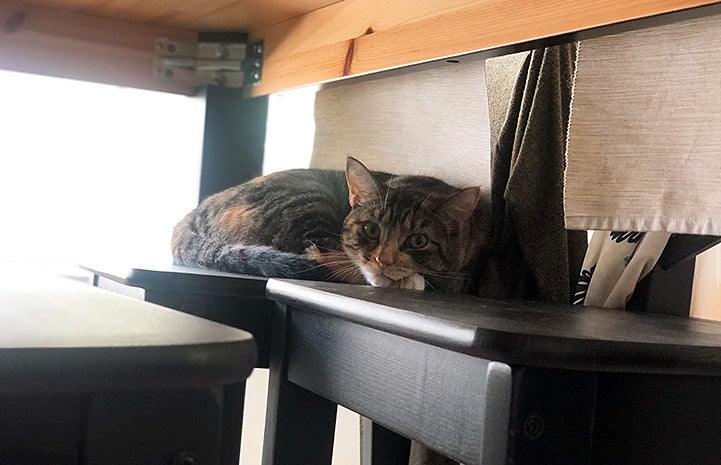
306,41
519,332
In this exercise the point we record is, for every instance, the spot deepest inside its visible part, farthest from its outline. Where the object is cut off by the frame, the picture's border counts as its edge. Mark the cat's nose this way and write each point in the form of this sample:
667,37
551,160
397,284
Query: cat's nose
383,259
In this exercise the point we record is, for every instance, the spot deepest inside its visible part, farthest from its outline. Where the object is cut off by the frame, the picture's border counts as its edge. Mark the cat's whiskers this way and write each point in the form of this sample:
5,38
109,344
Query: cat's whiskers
342,275
338,263
331,233
388,185
332,258
320,265
329,251
445,274
346,272
425,201
342,269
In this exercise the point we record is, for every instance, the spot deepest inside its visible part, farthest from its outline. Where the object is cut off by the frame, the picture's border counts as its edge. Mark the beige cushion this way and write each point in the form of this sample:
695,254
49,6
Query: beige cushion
432,122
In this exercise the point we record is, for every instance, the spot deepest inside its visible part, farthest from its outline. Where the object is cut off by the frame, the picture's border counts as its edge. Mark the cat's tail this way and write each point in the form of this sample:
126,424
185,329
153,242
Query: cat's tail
257,261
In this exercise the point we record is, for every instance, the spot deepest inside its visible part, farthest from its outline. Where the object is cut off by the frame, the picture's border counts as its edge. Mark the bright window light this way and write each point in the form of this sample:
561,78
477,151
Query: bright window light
94,173
290,129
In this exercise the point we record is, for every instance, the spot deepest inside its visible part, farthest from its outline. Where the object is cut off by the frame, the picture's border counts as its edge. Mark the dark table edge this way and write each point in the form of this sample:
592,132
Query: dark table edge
503,346
436,331
186,281
86,369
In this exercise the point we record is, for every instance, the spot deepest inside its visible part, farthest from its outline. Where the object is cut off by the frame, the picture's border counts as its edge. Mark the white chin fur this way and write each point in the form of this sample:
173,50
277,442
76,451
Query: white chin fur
414,281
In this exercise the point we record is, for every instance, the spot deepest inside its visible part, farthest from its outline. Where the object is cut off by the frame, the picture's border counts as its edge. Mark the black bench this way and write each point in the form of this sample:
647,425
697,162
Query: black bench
90,377
490,382
234,300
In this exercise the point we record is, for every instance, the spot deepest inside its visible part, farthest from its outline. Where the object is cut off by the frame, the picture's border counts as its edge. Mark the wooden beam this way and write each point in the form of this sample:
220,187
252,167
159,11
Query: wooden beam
196,15
357,37
75,45
333,41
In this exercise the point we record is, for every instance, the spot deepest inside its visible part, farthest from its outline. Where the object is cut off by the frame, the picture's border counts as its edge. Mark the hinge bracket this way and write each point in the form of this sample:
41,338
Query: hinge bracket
228,64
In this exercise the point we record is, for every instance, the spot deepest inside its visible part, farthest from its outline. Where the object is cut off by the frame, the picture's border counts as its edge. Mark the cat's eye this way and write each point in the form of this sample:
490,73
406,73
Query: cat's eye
417,241
371,230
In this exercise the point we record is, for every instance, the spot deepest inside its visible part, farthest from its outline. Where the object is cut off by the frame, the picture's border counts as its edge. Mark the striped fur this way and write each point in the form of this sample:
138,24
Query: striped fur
313,224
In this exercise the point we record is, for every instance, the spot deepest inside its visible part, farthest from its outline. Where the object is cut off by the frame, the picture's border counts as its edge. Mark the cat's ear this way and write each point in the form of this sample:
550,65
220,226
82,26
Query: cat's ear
361,185
460,205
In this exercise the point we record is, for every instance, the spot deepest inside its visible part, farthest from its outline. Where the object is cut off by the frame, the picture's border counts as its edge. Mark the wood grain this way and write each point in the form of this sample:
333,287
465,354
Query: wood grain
67,336
356,37
307,41
198,15
456,404
75,45
521,332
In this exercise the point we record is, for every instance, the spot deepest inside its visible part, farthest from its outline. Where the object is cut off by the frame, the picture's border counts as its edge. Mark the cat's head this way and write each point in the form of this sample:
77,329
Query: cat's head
401,227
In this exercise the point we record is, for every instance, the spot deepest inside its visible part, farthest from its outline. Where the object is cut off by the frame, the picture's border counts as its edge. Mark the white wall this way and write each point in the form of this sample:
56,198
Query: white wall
90,171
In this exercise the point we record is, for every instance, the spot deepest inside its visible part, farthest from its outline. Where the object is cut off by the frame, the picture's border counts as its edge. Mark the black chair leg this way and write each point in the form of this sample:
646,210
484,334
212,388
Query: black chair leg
389,447
299,425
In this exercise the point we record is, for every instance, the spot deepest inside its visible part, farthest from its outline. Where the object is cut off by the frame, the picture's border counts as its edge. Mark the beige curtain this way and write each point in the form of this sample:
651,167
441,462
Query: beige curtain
644,145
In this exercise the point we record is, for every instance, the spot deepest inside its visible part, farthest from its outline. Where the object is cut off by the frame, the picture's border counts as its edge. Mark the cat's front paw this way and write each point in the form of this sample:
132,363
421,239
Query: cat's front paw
414,281
313,253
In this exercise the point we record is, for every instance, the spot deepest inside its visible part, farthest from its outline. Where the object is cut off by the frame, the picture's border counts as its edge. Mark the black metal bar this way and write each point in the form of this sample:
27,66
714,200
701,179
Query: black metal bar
234,138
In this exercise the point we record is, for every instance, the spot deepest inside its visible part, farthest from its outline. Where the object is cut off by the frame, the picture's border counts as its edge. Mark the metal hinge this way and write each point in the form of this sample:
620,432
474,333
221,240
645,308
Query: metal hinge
229,64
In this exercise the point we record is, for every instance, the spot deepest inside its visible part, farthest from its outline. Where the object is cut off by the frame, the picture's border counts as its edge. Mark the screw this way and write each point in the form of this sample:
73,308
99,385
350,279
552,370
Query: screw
170,48
256,76
257,63
533,426
257,49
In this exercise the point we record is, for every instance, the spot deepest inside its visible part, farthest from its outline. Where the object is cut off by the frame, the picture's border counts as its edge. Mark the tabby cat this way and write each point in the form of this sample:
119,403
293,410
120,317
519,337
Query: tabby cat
360,226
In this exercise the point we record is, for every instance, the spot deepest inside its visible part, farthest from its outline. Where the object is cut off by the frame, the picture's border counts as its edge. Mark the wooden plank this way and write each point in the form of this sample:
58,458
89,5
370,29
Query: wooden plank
79,46
308,41
456,404
356,37
520,332
197,15
178,278
68,336
243,15
233,300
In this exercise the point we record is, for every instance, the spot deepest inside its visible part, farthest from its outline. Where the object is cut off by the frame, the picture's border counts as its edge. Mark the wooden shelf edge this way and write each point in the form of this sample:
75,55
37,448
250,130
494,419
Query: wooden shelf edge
353,38
74,45
348,38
